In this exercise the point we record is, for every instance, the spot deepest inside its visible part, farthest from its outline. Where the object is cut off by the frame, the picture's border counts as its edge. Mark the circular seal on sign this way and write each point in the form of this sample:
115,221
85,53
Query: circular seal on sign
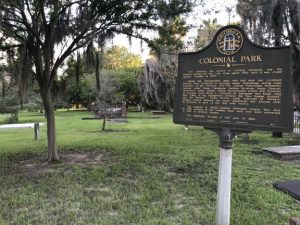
229,41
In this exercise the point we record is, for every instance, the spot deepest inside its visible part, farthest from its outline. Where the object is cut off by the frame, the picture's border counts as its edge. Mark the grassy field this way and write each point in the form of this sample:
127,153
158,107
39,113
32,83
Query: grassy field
147,171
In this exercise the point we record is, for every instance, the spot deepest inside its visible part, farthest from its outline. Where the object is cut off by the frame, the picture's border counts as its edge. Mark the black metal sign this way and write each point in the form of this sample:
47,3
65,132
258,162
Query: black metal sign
234,83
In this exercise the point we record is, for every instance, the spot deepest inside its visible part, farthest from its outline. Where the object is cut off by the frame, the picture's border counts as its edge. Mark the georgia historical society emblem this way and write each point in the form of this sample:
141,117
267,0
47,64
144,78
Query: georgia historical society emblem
229,41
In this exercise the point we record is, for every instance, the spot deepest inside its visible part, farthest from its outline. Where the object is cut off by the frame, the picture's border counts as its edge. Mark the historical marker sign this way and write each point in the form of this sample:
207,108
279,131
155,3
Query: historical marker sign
236,84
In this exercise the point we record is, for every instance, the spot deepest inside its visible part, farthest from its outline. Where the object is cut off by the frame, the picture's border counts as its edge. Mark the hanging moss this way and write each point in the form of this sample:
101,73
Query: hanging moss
275,23
157,83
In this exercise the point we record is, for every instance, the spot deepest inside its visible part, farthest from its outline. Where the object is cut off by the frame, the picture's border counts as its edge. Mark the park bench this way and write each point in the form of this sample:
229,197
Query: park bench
158,112
110,113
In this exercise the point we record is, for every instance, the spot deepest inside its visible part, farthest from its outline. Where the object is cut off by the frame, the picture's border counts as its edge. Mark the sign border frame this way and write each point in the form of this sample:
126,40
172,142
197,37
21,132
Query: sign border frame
288,90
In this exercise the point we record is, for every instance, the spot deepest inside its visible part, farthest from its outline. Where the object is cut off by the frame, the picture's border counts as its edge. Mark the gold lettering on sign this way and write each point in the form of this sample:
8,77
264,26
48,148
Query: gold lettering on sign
232,95
251,58
231,59
216,60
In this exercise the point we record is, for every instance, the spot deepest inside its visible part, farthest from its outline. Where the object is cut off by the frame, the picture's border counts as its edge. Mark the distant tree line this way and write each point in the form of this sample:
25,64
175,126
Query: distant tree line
121,69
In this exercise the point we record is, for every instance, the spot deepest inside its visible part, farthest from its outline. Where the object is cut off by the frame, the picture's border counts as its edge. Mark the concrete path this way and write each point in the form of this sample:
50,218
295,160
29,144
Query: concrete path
19,125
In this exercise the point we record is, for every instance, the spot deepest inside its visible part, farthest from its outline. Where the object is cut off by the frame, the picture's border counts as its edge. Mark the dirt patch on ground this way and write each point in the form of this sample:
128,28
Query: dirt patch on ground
67,158
83,159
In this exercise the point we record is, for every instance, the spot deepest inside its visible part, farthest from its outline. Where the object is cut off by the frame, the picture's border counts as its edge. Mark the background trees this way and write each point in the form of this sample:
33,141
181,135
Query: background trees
171,35
14,88
118,79
126,68
275,23
157,83
76,85
206,32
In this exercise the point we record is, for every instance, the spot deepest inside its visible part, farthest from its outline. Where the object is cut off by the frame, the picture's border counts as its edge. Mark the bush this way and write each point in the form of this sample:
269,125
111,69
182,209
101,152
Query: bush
61,105
14,118
31,107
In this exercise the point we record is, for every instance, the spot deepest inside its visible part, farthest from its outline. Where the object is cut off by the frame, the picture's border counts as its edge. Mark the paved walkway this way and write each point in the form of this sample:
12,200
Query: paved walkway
19,125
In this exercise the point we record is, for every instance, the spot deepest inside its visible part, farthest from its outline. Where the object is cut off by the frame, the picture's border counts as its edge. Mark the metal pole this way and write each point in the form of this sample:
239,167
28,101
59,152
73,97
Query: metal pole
224,180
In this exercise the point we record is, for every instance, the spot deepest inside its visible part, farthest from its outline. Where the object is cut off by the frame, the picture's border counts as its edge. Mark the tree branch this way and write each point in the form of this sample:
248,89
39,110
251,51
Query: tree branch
29,28
7,47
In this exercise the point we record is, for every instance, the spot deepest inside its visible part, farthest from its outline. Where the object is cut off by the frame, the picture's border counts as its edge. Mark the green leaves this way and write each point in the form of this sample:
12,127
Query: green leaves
206,32
170,37
119,58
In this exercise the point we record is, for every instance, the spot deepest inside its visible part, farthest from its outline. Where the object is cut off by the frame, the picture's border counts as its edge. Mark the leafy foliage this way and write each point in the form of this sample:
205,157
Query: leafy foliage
129,86
157,83
74,90
119,58
276,23
206,32
170,38
126,66
118,79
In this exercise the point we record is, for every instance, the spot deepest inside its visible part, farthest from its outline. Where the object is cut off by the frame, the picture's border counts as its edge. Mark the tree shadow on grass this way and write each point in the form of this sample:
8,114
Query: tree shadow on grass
35,163
108,131
114,130
257,151
196,168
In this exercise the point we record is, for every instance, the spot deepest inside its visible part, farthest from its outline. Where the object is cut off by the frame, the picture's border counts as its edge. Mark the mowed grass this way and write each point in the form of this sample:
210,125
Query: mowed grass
150,172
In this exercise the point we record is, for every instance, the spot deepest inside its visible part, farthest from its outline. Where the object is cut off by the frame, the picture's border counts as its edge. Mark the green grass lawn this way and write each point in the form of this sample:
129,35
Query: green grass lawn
149,171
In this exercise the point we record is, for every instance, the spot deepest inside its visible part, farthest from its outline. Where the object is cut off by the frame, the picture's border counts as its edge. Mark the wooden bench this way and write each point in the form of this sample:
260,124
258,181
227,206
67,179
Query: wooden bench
110,113
158,112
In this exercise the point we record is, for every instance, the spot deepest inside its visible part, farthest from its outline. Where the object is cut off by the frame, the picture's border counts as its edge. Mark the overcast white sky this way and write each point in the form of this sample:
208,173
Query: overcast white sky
213,9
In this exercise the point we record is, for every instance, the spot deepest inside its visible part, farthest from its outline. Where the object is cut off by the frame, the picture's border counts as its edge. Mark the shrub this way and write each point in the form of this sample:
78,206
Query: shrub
14,118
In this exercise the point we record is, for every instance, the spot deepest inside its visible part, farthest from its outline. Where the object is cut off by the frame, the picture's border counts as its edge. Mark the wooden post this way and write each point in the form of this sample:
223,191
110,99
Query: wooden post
224,180
36,131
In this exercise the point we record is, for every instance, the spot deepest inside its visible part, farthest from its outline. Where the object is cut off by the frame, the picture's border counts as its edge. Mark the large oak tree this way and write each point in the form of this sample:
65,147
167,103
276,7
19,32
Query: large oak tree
48,31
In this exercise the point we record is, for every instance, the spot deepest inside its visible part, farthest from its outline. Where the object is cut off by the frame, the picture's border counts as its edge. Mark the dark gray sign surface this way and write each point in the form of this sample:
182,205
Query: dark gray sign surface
236,84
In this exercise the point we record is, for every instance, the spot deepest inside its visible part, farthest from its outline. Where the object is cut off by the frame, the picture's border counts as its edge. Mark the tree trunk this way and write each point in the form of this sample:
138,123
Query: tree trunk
103,124
99,67
51,132
98,76
3,87
296,74
77,71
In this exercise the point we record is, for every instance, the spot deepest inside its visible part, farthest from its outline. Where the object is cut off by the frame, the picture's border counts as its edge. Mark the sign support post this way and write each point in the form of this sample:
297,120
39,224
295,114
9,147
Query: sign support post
36,131
224,180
